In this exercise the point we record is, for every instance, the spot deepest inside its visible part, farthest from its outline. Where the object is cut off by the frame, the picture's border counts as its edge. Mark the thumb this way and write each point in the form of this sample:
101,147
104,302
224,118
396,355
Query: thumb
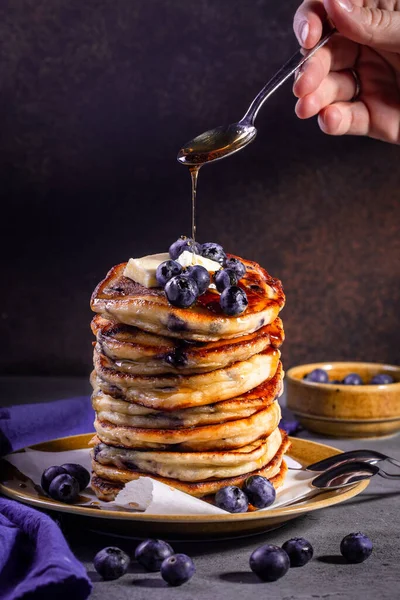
373,27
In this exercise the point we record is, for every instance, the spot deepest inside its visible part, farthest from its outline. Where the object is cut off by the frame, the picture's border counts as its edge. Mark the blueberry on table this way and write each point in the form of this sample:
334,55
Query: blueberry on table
64,488
225,278
151,554
299,551
166,270
181,291
317,376
352,379
48,476
177,569
269,562
236,265
111,563
233,301
356,547
184,243
81,474
259,490
232,499
201,276
381,379
213,252
291,426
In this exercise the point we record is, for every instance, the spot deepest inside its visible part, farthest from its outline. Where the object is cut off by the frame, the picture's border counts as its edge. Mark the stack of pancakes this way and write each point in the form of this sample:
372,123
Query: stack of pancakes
187,396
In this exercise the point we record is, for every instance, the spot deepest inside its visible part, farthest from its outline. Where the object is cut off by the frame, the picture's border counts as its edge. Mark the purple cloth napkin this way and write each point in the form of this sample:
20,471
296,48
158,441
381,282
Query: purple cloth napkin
35,560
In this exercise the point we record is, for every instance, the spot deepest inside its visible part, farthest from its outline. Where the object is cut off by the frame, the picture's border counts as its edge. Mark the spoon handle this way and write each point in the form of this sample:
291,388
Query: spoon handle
289,68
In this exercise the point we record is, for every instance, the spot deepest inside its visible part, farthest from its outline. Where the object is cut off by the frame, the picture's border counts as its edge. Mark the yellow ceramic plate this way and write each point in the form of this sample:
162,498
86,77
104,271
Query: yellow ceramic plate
15,485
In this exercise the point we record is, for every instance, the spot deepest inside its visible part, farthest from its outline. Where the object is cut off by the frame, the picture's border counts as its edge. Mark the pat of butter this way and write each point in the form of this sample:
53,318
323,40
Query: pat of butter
143,270
188,259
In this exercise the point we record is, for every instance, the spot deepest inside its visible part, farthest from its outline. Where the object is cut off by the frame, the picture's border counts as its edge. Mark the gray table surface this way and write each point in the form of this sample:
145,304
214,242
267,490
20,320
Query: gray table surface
223,566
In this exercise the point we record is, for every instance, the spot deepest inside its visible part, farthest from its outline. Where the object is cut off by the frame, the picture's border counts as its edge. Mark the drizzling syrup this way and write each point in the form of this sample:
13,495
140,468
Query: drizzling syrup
194,173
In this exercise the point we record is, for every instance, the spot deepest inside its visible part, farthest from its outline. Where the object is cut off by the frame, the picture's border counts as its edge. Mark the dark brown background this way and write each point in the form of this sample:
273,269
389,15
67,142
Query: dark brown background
96,99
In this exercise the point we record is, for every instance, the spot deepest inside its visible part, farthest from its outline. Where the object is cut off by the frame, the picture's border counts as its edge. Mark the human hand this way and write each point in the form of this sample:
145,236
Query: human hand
368,42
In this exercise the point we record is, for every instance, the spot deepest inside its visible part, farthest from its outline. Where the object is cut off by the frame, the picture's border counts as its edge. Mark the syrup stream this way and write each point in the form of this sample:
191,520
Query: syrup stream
194,173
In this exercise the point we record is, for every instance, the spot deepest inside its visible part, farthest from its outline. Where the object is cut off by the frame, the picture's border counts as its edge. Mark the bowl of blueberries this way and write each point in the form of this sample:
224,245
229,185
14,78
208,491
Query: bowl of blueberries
346,399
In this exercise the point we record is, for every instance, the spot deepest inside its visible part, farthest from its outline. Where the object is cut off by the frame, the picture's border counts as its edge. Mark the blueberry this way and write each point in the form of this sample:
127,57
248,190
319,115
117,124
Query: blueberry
381,379
201,277
291,426
151,553
81,474
352,379
64,488
317,376
299,551
236,265
213,252
177,569
260,491
166,270
48,476
356,547
184,243
233,301
181,291
225,278
111,563
269,562
232,499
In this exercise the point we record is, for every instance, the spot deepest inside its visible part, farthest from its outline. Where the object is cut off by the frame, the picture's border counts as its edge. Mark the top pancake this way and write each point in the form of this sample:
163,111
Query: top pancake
148,308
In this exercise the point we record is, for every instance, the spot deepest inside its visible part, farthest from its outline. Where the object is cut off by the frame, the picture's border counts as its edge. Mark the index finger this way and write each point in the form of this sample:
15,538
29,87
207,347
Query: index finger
308,22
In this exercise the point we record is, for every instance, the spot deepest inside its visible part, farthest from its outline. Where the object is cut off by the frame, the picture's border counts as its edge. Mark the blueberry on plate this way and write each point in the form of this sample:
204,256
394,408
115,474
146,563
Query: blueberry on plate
269,562
181,291
64,488
356,547
232,499
299,551
166,270
236,265
317,376
151,554
381,379
81,474
111,563
184,243
233,301
48,476
225,278
201,277
213,252
352,379
291,426
259,490
177,569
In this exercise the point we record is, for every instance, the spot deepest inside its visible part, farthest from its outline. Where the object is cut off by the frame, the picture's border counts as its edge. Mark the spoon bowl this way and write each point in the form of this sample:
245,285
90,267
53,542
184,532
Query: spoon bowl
217,143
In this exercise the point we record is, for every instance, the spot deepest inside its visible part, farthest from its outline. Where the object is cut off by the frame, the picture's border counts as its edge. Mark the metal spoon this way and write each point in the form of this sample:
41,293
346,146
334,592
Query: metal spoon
226,140
368,456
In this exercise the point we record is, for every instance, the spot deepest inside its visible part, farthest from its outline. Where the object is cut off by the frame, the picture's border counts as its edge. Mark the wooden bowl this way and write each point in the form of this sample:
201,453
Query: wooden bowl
345,410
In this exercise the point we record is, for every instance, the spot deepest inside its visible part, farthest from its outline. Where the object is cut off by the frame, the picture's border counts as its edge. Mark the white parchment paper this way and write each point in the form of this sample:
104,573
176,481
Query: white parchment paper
148,495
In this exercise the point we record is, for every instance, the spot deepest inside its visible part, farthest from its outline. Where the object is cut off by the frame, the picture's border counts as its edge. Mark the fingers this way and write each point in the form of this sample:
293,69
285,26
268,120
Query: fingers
371,26
308,21
336,87
345,118
337,55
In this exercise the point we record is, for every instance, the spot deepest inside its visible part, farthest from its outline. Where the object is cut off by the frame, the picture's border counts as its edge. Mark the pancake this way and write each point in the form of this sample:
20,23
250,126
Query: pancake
148,308
108,481
221,436
193,466
173,392
130,350
120,412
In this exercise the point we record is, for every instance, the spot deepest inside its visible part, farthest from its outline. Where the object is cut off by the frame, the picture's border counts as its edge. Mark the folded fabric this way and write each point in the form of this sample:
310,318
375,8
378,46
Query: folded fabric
24,425
35,560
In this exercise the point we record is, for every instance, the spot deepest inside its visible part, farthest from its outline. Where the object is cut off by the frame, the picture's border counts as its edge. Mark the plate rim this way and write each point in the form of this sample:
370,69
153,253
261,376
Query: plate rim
85,511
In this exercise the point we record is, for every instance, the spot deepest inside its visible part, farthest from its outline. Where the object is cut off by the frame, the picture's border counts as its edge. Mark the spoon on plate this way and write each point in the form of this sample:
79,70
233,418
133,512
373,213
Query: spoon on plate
227,139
